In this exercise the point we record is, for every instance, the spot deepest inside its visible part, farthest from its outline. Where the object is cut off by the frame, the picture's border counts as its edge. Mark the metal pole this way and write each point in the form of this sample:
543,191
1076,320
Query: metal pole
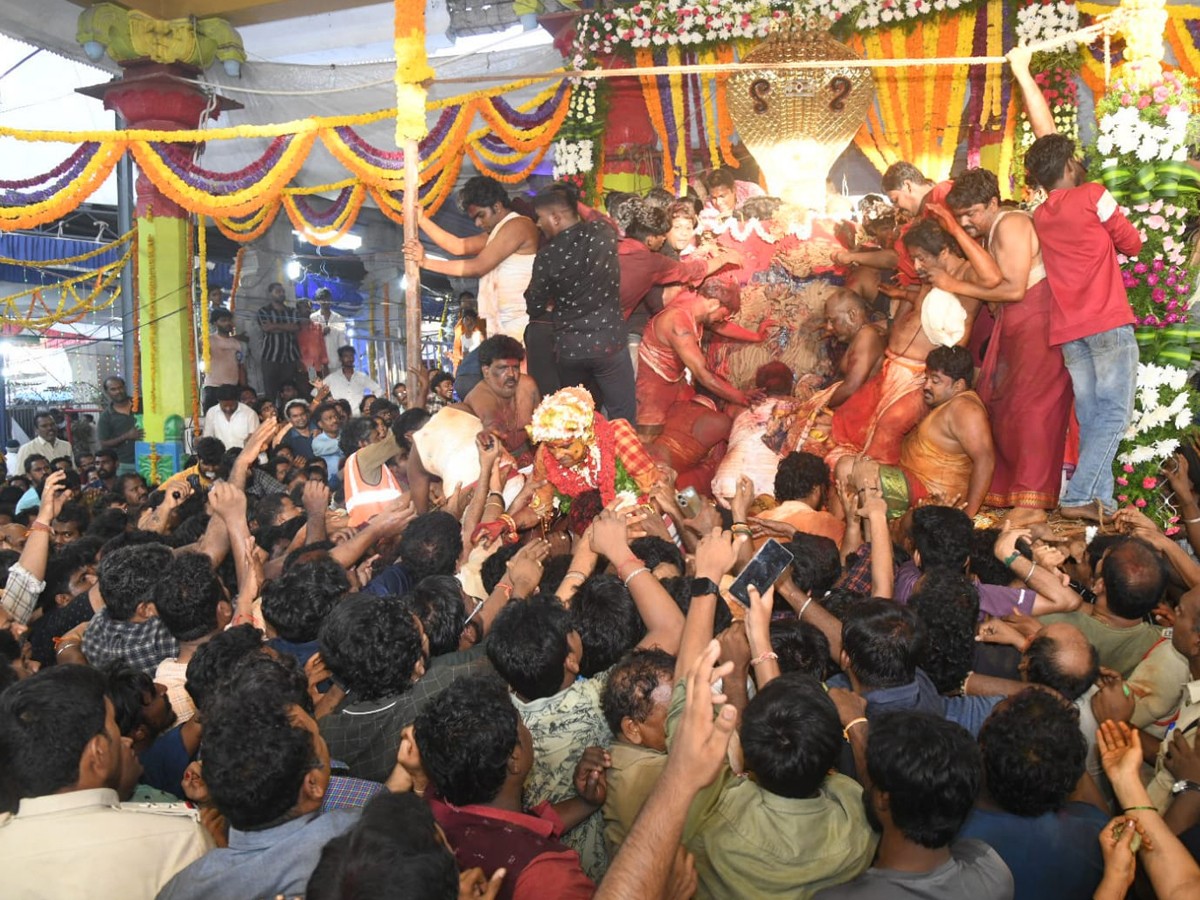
128,288
412,272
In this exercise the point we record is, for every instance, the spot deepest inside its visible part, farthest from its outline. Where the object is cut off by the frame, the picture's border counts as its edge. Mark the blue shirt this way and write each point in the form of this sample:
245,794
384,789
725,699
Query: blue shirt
1055,856
394,581
264,863
919,695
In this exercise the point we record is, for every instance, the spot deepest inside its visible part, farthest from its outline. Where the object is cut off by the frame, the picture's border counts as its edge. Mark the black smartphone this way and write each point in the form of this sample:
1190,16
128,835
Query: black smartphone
762,571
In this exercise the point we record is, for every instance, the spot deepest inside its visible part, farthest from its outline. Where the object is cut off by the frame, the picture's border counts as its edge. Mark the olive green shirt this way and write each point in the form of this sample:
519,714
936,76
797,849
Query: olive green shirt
631,778
1118,648
749,843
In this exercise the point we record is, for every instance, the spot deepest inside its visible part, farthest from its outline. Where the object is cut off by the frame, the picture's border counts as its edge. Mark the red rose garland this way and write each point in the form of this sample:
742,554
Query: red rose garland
570,483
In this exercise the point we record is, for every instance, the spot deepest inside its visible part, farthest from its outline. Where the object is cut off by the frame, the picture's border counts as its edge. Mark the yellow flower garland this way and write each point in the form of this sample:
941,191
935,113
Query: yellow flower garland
502,176
253,228
102,279
323,236
202,252
412,70
69,260
69,197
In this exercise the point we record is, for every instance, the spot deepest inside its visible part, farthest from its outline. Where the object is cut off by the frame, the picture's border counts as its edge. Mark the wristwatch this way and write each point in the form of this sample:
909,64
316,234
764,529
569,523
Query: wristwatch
702,586
1183,785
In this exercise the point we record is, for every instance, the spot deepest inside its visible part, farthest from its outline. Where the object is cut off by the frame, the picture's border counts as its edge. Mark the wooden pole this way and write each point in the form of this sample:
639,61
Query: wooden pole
412,272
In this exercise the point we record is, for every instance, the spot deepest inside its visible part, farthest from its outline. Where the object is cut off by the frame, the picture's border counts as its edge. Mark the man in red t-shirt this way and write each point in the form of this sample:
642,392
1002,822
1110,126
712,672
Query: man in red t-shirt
1081,229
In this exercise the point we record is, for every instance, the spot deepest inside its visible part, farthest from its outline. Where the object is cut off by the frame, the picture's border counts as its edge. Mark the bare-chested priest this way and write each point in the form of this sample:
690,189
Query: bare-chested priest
949,454
875,419
502,404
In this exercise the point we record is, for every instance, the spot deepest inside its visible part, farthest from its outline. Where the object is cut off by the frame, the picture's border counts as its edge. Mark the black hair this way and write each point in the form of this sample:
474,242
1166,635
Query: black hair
799,473
296,604
1046,160
955,362
942,535
680,589
227,392
654,551
495,566
1134,579
622,206
214,660
221,313
481,191
973,186
210,451
608,622
528,645
74,512
46,722
127,577
659,198
354,433
841,600
554,197
801,647
438,602
130,690
984,564
898,173
63,566
372,644
321,409
466,735
631,683
929,236
816,562
1033,752
791,736
393,852
883,641
720,177
268,508
647,222
255,758
108,523
279,674
931,770
438,378
554,570
409,420
31,459
499,346
1042,666
947,603
187,595
431,545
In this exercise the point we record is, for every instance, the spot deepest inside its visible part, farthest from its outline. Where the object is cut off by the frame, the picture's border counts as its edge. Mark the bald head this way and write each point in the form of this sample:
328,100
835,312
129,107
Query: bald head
845,314
1062,659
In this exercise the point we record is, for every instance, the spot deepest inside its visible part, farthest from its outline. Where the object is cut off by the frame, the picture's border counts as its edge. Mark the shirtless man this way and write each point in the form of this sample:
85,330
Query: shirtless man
1023,377
849,323
874,420
671,346
949,454
501,257
503,402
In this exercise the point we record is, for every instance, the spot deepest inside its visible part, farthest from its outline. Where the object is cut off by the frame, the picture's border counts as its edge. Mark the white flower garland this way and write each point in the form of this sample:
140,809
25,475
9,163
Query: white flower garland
1045,21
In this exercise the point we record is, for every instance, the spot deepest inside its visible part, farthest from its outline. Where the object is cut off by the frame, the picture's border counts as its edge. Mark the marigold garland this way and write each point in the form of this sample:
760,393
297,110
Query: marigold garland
101,279
67,196
412,70
317,231
70,260
136,387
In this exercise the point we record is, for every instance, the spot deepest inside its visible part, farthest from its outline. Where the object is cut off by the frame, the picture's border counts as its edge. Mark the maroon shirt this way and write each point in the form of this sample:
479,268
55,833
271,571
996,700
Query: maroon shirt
643,268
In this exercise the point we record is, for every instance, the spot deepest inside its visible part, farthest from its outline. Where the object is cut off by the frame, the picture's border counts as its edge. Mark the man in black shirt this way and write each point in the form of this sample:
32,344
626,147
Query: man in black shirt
118,429
577,271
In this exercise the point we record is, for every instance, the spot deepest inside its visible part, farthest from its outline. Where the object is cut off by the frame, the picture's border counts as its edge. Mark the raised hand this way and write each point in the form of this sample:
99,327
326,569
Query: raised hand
700,743
715,555
525,568
1120,749
591,783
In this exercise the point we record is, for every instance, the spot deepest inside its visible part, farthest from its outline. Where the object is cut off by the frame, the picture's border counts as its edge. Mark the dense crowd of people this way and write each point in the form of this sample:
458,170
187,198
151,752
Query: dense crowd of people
512,631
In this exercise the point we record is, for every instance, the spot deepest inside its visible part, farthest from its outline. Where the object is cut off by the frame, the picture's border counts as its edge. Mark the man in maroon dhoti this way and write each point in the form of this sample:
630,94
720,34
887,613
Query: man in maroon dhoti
1023,379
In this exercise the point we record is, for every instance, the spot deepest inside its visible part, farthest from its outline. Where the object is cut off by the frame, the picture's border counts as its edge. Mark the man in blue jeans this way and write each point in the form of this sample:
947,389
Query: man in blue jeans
1081,229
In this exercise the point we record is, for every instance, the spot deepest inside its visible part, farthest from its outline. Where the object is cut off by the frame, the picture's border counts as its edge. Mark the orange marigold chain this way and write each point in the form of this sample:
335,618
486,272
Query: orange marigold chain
70,196
500,175
325,235
254,228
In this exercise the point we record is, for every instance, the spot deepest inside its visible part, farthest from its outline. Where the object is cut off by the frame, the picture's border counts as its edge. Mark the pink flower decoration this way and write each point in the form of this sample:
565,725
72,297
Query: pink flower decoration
1126,100
1127,467
1152,279
1123,481
1122,498
1139,503
1143,101
1174,529
1161,94
1140,268
1158,295
1149,482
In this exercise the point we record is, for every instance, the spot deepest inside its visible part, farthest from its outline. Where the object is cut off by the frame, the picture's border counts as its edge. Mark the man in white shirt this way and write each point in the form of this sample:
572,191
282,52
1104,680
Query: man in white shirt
45,442
230,422
333,325
346,384
64,759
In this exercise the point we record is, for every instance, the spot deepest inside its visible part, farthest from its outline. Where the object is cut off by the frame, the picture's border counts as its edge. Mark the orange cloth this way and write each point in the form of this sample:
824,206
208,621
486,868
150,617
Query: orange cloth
948,474
804,518
879,414
366,500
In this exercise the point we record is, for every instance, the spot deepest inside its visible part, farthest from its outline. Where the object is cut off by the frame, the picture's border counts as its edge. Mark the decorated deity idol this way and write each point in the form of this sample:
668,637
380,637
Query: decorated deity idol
580,451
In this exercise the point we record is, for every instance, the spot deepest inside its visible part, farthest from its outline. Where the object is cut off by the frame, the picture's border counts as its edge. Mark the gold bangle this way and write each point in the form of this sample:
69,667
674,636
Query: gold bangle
861,720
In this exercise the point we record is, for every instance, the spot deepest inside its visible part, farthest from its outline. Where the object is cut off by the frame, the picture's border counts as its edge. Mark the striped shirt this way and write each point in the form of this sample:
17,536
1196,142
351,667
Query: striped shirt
279,346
